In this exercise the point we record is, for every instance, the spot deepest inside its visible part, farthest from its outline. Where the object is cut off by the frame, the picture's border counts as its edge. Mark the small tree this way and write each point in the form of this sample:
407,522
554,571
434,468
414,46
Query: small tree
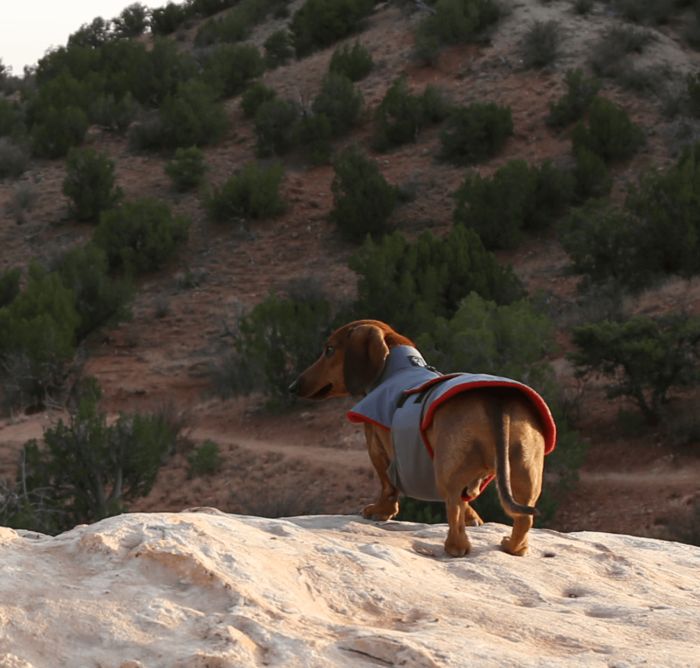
90,183
362,198
408,285
101,300
132,21
474,133
400,116
339,101
58,130
611,133
282,337
591,174
517,198
42,320
91,470
187,168
255,95
278,49
274,125
355,63
319,23
140,236
579,96
645,358
252,193
192,117
232,67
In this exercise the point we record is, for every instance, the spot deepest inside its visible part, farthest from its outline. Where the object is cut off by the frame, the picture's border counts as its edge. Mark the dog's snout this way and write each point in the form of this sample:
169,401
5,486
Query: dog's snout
294,387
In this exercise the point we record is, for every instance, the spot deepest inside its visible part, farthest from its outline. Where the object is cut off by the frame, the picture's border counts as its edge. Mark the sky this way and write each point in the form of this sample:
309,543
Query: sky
29,27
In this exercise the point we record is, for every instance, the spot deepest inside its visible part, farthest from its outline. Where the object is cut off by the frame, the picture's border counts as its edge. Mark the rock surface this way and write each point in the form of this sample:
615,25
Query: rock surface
205,589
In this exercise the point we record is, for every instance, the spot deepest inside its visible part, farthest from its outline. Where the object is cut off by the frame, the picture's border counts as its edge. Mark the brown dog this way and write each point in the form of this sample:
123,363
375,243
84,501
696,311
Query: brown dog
473,435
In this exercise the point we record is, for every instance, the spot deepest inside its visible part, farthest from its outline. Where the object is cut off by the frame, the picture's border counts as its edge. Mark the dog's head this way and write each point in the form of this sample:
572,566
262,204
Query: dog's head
352,359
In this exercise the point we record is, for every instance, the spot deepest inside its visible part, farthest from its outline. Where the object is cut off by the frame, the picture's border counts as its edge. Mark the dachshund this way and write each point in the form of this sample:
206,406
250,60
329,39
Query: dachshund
472,436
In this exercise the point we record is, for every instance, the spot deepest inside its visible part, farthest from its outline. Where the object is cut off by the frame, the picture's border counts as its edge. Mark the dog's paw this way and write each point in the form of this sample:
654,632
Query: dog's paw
380,513
520,552
457,547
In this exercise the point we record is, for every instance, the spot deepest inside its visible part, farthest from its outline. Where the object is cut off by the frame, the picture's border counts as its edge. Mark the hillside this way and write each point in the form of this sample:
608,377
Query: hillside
310,459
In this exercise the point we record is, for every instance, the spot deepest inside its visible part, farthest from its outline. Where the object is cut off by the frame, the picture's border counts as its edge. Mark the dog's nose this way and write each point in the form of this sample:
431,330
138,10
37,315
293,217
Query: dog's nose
294,387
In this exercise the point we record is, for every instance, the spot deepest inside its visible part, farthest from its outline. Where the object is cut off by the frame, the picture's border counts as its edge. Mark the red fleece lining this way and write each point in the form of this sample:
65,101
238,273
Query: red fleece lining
550,428
357,419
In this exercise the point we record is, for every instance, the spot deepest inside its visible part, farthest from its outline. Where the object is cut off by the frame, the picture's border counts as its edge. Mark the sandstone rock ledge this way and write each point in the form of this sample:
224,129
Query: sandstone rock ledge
204,589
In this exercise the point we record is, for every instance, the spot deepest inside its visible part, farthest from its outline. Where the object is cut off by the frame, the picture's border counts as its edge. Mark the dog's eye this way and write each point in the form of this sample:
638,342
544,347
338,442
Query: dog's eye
329,351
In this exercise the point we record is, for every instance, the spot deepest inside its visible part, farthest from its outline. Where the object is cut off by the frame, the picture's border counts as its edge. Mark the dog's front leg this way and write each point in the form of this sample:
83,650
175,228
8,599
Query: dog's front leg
380,453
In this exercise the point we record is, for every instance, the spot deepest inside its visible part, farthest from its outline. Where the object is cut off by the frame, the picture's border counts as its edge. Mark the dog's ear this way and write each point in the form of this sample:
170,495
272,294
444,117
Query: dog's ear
365,354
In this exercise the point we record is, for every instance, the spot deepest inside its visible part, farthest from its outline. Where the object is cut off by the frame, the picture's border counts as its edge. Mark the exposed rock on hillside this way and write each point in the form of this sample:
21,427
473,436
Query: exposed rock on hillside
209,589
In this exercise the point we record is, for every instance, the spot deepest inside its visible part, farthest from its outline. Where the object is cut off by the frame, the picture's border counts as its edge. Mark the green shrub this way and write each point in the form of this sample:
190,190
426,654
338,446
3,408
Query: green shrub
90,183
602,242
147,132
205,459
116,115
58,131
355,63
92,35
235,25
540,44
132,21
232,67
14,158
316,133
408,285
339,101
506,340
40,321
456,21
282,337
320,23
278,49
101,300
9,286
666,206
275,126
516,198
90,470
400,115
644,358
141,236
475,133
656,233
611,133
252,193
579,96
10,118
167,19
592,177
362,198
255,95
193,117
187,168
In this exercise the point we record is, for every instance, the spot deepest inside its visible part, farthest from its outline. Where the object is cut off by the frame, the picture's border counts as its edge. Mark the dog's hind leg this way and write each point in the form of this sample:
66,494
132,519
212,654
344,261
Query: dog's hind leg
526,459
457,543
380,453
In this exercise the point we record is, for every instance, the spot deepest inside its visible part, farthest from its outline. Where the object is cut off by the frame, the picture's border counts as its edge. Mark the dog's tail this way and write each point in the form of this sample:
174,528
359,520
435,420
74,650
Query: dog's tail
501,418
